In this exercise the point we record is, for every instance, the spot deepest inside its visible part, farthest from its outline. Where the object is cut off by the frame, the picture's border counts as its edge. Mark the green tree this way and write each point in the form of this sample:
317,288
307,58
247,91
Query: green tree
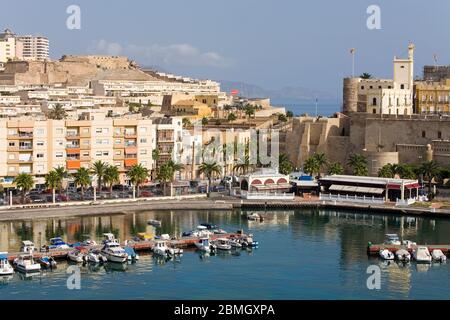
358,163
335,168
111,177
231,117
386,171
82,178
321,160
138,174
204,121
57,112
209,170
429,169
282,117
24,182
186,122
311,166
249,110
98,168
289,114
61,173
52,181
284,164
365,75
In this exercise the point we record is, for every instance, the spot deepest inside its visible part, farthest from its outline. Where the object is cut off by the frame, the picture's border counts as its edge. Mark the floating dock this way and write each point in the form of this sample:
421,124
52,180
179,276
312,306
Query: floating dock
374,249
144,245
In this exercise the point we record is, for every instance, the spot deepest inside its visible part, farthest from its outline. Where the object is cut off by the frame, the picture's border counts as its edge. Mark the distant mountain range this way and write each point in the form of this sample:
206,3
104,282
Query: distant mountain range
289,94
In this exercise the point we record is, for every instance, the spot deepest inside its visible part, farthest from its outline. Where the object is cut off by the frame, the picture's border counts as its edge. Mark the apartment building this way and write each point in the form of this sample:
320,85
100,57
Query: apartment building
34,47
35,146
432,96
10,47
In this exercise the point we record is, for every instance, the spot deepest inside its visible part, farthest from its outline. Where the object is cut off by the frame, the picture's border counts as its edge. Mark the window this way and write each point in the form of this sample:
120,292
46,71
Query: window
106,153
143,151
85,154
39,155
402,86
85,130
371,87
362,87
11,157
423,134
12,144
117,141
105,141
98,153
11,169
374,111
118,152
439,135
12,132
59,130
374,101
40,143
142,129
98,130
105,130
40,131
59,143
143,140
59,154
40,168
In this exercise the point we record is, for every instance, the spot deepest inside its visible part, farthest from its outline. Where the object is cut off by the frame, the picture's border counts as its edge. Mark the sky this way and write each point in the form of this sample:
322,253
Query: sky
270,43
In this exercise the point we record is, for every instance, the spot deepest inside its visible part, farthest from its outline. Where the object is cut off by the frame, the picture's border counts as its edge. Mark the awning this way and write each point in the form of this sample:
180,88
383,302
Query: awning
355,189
412,186
27,130
394,186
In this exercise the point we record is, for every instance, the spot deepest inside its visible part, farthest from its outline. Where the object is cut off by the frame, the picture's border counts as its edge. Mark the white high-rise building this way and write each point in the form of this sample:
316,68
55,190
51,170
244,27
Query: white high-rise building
34,47
10,47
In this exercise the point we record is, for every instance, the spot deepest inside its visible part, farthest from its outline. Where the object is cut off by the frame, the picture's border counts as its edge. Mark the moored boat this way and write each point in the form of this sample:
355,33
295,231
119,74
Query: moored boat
162,249
132,255
393,239
223,244
5,268
386,255
421,254
114,252
25,263
27,247
203,244
47,262
438,255
402,255
58,243
76,256
95,256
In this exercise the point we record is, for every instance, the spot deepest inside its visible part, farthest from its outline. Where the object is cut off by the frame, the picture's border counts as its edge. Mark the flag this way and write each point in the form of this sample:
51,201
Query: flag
234,92
435,58
352,50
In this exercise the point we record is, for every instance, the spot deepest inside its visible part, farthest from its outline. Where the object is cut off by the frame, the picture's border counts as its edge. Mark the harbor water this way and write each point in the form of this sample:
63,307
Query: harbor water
302,254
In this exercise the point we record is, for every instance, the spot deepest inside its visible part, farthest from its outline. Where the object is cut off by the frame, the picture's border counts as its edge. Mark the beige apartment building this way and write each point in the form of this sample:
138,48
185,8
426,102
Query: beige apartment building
36,146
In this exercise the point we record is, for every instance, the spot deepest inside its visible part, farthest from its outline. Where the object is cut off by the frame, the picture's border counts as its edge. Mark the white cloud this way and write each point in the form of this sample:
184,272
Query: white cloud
184,55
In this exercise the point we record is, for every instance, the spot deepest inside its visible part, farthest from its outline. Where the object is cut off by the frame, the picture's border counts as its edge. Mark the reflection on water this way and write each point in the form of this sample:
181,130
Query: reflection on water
302,254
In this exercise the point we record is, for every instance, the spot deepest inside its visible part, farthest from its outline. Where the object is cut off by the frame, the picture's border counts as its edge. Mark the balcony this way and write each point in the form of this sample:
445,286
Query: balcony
130,162
130,135
21,136
23,161
72,135
73,164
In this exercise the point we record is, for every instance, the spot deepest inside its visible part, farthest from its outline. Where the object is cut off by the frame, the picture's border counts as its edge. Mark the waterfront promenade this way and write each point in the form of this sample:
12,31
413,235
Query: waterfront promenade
200,202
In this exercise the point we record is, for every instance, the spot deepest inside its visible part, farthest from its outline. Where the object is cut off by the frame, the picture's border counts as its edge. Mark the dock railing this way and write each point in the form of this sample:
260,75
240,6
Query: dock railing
268,195
347,198
405,202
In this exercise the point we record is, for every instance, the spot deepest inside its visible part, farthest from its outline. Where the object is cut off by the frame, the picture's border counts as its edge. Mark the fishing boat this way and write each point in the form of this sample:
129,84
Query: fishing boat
114,252
5,268
403,255
203,244
132,255
155,223
95,256
163,250
223,244
392,239
386,255
27,247
25,263
438,255
76,256
58,243
421,254
47,262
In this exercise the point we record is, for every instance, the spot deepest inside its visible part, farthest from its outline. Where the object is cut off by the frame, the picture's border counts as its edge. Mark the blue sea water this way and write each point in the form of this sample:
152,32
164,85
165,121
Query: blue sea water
300,108
303,254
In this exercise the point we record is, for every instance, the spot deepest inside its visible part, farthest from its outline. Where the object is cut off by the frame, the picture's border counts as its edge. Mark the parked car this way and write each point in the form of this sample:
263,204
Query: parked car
146,193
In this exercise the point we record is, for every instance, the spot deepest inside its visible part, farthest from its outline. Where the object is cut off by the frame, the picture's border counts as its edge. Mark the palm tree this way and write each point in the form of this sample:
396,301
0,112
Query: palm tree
98,168
386,171
155,158
186,122
365,75
289,114
429,169
321,160
231,117
243,166
25,183
359,164
111,177
165,174
284,164
61,173
335,168
82,178
209,169
249,110
311,166
52,181
138,174
57,113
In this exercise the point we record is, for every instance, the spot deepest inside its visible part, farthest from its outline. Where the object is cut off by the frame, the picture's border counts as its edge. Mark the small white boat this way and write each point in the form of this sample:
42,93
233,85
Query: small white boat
223,244
89,243
403,255
76,256
47,262
438,255
27,247
408,243
235,243
254,217
201,232
95,256
247,241
114,252
155,223
392,238
162,249
203,244
386,255
5,268
25,263
421,254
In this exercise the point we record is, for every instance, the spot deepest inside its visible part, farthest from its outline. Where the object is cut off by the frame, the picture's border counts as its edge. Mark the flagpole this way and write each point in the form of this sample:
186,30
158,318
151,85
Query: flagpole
316,109
353,63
